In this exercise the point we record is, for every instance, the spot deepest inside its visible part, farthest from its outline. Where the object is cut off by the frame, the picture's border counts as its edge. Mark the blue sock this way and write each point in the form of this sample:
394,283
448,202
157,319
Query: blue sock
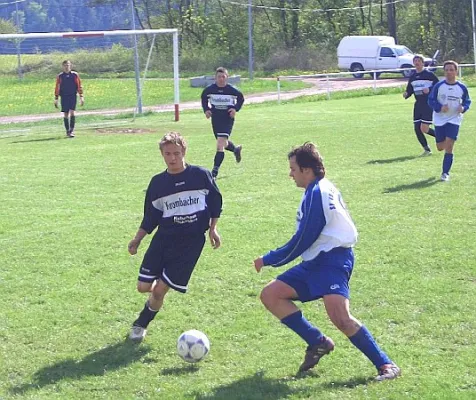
447,162
309,333
364,341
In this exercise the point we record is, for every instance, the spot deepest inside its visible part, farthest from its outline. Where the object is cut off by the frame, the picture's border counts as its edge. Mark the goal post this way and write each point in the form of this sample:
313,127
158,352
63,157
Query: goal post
21,39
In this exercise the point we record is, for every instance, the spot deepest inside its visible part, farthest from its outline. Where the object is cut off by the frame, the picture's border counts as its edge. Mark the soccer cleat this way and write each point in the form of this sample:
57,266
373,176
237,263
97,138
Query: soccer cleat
387,372
315,353
426,153
237,153
445,177
137,333
71,133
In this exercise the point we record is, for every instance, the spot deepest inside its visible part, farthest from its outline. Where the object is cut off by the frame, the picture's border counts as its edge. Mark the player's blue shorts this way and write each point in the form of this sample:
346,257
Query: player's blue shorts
68,102
328,273
171,260
222,126
446,130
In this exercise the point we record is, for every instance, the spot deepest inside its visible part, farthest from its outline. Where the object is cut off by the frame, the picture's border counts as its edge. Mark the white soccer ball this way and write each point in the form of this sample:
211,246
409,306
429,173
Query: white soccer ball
193,346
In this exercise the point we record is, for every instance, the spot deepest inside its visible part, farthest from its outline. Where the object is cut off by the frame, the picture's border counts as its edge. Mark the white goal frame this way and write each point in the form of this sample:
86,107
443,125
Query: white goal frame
125,32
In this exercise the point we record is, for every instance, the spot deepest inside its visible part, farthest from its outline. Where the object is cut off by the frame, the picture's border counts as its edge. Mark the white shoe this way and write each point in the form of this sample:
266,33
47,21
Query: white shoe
387,372
426,153
445,177
137,333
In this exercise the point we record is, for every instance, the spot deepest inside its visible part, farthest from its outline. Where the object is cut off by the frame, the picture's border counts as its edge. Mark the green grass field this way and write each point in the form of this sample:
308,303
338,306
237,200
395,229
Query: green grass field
67,283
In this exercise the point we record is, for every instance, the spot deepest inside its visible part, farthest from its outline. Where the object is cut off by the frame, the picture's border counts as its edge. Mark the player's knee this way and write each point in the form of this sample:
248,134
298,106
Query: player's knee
268,295
143,287
424,128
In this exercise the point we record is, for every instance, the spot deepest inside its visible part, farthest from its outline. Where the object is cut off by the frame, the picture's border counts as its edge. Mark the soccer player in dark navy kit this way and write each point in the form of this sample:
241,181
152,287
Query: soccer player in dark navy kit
68,85
183,202
221,102
324,239
419,85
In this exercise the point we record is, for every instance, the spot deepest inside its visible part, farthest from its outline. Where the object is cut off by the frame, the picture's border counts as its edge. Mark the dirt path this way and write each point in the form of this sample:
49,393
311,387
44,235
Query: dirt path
321,86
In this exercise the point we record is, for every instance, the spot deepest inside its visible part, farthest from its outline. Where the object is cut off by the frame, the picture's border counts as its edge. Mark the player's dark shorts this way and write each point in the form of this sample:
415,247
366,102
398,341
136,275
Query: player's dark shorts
222,126
446,130
328,273
422,112
68,102
172,260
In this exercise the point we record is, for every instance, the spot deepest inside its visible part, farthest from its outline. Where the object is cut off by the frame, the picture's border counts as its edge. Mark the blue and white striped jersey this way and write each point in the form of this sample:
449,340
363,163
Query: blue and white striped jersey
181,204
453,95
220,99
323,223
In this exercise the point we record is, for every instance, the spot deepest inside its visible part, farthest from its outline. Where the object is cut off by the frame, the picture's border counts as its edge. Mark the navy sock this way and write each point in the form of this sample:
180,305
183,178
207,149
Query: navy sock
145,316
72,122
219,156
309,333
66,123
447,162
365,342
230,146
419,134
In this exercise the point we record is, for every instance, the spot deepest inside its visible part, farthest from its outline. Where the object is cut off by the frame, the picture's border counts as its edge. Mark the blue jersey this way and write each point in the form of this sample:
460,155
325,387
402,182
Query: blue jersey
323,224
220,99
453,95
181,204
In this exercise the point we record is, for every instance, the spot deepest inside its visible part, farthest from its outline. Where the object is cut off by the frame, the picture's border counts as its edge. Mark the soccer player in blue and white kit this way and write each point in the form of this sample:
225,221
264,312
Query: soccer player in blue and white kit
221,102
183,202
324,239
449,99
419,85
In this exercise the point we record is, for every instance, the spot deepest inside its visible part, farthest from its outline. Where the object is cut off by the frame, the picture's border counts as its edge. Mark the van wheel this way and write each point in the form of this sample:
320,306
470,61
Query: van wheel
407,73
355,68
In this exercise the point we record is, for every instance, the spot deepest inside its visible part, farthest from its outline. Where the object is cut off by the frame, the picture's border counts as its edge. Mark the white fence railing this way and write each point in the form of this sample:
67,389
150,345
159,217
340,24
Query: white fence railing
328,77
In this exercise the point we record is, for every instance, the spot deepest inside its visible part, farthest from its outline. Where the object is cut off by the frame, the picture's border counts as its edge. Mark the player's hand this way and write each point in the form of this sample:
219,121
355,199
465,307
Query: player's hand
405,95
81,100
460,108
56,103
445,108
426,90
215,239
133,246
259,263
232,112
208,114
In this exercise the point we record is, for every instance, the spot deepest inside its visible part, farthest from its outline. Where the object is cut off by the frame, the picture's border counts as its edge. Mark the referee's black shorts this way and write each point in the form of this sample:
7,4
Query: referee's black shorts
68,102
172,259
423,113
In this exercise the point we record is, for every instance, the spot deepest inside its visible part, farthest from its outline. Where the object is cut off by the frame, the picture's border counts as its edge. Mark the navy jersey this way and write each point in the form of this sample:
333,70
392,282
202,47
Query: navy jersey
220,99
419,81
181,204
68,84
322,224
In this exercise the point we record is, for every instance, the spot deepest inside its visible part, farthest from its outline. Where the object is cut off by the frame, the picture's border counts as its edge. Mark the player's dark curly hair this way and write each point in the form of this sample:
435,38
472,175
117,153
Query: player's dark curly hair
173,138
307,156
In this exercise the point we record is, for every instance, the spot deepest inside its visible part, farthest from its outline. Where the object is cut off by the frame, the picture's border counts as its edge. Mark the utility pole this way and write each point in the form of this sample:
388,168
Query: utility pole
250,41
136,62
20,68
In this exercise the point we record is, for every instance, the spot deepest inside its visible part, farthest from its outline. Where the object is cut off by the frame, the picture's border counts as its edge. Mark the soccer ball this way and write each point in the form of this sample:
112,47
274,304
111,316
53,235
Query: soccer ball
193,346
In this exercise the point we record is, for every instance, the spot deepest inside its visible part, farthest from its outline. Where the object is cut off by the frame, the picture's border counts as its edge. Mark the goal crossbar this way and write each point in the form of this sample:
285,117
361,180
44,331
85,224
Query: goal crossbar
89,34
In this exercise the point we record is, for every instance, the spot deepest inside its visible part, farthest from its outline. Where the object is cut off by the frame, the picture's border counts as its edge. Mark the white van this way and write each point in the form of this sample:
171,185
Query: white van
366,53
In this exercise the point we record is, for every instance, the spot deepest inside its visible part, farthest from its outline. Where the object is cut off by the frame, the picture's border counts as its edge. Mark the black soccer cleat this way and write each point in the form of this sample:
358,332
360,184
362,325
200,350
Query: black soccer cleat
237,153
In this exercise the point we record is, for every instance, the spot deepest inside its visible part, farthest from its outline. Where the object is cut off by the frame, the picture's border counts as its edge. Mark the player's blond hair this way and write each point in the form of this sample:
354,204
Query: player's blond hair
451,62
173,138
222,70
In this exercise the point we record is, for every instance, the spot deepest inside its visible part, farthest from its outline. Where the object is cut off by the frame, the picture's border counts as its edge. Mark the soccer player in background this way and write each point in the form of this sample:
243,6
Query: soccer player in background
68,85
324,239
183,202
419,85
221,102
449,99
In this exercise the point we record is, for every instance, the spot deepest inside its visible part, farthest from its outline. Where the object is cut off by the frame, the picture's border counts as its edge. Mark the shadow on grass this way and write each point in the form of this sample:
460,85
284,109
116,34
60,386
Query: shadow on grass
98,363
416,185
38,140
393,160
350,383
186,369
256,387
